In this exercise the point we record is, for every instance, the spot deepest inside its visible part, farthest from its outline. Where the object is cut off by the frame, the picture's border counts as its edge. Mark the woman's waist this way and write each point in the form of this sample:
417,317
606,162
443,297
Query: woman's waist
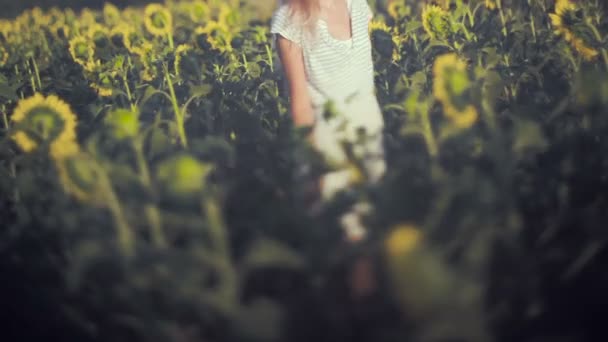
364,94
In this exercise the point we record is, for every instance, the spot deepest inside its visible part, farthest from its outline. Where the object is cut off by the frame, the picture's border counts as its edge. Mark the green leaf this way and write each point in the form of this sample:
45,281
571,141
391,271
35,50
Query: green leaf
201,90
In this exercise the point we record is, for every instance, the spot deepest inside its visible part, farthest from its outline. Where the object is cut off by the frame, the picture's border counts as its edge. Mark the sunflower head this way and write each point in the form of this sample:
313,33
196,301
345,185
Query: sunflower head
491,4
229,16
158,20
398,10
199,11
387,41
124,123
180,52
402,240
111,14
98,34
183,175
451,86
569,22
103,86
436,22
80,176
215,34
82,50
39,120
4,55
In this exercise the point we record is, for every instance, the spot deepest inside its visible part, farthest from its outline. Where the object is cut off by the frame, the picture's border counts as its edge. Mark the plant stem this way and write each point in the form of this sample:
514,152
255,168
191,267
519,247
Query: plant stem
427,130
151,211
124,232
37,72
171,44
179,117
270,61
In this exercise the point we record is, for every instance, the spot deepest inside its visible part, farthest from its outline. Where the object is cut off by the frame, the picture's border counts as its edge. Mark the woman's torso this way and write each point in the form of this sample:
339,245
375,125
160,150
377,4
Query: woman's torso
337,69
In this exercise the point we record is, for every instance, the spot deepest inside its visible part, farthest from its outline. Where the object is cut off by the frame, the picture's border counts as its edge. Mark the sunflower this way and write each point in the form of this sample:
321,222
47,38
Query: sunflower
436,22
569,22
491,4
398,10
402,240
183,174
111,14
82,51
450,85
87,18
134,41
229,16
123,122
217,35
39,119
4,55
179,54
158,20
104,85
199,11
381,32
79,176
97,33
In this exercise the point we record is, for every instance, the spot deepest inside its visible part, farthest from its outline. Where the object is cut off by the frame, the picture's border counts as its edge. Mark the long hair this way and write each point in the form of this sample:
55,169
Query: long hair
304,13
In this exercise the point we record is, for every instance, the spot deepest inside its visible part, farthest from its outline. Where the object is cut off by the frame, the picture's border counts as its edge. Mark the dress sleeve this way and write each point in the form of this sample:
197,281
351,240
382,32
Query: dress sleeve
281,23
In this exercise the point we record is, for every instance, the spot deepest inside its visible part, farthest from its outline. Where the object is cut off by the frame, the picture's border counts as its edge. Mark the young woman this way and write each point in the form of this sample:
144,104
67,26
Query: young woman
325,50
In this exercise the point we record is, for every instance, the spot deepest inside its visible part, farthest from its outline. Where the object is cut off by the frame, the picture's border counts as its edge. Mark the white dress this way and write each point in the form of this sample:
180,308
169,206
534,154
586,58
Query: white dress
341,71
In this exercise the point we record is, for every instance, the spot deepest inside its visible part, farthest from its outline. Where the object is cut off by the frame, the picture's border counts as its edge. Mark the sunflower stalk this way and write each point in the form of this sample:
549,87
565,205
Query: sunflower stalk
179,116
427,131
37,73
124,232
151,211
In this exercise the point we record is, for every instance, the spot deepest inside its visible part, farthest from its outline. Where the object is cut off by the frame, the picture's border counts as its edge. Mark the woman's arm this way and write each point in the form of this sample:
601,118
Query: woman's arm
293,64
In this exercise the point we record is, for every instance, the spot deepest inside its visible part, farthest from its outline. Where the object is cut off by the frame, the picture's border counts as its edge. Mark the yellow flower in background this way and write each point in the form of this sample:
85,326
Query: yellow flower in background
4,55
491,4
87,18
102,90
569,23
135,41
40,119
450,86
82,51
396,38
436,22
229,16
79,176
179,54
183,174
218,35
158,20
402,240
111,14
124,122
398,10
199,12
97,32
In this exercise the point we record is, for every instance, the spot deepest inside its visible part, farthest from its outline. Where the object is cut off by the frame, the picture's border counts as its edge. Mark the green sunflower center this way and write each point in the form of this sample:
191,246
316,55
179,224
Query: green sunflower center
45,123
82,50
159,20
457,83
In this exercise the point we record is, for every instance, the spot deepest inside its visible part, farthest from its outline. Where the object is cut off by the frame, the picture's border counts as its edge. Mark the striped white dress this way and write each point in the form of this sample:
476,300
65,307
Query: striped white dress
341,71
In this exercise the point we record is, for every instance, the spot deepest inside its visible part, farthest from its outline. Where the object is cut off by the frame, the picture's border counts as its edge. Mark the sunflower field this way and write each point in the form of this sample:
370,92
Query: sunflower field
154,188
